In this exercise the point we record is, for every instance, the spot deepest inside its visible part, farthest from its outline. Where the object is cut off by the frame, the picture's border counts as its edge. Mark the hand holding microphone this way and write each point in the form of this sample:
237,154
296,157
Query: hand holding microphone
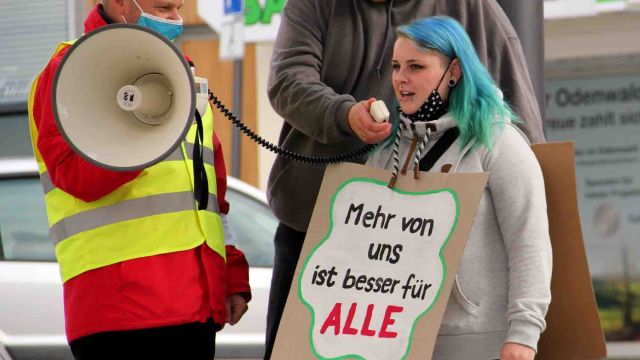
369,120
379,111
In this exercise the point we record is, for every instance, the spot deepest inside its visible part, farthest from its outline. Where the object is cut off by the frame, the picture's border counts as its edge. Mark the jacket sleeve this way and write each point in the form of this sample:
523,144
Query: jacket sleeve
518,193
295,88
67,170
237,273
507,64
237,265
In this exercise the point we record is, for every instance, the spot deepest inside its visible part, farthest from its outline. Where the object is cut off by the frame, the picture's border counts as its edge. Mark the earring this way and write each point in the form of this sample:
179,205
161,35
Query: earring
452,82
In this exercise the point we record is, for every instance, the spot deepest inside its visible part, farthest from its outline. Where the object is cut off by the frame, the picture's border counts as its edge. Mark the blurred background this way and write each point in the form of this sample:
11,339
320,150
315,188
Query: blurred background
584,59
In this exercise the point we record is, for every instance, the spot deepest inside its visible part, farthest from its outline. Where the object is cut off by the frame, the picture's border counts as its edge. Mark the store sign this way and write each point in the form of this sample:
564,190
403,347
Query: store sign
232,31
602,116
261,17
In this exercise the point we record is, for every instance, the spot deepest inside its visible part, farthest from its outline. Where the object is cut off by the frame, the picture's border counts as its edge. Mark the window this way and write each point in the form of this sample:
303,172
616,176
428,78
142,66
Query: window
30,31
15,139
255,226
24,233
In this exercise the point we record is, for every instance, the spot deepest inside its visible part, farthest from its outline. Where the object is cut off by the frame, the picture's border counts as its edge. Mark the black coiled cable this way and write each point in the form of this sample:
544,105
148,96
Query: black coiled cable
311,159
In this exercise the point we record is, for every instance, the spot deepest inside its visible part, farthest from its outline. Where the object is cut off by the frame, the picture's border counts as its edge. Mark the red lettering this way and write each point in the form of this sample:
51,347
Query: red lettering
389,321
365,331
333,320
348,330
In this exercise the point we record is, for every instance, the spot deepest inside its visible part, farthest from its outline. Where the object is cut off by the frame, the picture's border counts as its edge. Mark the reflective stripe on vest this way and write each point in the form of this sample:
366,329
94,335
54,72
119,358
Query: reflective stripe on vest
124,211
147,216
176,155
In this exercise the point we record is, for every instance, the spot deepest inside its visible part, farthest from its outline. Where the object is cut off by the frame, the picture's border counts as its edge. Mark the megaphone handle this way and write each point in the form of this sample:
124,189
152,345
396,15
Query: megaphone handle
200,183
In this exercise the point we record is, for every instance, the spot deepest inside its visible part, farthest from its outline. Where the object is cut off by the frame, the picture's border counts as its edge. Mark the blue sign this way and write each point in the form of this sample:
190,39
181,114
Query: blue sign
232,7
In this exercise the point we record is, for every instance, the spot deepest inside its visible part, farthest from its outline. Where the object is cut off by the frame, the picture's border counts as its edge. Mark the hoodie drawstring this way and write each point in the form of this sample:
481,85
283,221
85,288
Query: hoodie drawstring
396,159
416,153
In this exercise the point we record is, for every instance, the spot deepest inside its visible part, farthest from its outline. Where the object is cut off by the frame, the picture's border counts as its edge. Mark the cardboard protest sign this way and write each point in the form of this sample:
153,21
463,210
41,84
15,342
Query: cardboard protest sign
573,326
377,265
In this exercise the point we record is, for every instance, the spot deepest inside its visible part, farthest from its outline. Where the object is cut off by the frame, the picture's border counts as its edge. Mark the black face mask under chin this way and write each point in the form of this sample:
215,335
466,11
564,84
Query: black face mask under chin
433,108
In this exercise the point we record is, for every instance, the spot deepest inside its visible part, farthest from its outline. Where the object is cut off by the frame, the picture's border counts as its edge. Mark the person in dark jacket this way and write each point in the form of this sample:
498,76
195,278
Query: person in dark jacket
330,56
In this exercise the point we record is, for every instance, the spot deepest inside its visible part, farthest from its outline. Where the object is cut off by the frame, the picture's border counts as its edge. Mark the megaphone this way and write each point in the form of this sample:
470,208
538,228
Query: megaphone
124,97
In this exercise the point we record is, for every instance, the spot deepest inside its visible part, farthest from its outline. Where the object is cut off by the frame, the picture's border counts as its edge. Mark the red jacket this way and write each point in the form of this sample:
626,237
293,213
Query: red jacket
162,290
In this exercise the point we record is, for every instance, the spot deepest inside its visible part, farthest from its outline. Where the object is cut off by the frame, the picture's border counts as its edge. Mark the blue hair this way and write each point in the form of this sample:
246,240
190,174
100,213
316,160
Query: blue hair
475,101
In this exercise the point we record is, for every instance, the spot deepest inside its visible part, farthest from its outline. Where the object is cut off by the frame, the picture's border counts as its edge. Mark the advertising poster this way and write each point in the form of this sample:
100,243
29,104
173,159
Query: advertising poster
602,116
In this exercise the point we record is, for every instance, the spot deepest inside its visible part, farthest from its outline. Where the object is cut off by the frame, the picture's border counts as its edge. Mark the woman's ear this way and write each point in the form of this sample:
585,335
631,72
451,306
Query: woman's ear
455,70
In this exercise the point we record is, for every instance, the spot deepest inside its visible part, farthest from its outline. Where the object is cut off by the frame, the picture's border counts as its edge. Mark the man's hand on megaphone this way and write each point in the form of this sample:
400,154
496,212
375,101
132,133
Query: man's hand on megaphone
365,126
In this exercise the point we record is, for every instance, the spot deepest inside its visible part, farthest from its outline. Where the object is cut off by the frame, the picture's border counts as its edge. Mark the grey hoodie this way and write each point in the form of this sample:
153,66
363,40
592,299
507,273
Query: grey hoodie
502,289
325,59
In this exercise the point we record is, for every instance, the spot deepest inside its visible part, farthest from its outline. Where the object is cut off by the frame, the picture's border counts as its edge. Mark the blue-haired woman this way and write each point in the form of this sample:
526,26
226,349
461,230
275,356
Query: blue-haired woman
453,119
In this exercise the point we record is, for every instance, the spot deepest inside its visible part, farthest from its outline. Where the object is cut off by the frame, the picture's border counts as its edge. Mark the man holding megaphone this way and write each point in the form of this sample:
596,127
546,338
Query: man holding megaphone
145,266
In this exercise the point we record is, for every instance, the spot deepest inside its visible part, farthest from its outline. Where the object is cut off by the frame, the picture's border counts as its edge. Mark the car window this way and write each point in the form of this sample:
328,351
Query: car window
24,232
18,144
254,225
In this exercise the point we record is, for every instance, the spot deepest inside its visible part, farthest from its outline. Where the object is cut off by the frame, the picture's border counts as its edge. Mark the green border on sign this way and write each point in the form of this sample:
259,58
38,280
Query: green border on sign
444,264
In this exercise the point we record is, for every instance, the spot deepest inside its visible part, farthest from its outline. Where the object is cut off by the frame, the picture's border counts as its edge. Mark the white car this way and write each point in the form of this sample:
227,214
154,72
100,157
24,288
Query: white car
31,309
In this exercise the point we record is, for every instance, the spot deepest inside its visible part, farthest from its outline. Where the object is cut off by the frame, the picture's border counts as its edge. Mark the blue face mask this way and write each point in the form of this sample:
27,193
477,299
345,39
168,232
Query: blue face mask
170,29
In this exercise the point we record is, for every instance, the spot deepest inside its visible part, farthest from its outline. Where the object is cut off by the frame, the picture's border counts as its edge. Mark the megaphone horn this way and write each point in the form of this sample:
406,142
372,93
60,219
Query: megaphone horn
123,97
148,98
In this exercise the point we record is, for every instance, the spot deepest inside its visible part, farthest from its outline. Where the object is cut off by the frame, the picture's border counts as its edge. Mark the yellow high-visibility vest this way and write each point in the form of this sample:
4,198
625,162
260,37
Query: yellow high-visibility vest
153,214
